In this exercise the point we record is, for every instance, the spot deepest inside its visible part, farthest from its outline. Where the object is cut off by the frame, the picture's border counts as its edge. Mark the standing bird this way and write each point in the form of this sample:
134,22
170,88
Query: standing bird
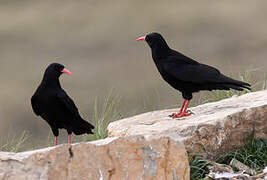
53,104
185,74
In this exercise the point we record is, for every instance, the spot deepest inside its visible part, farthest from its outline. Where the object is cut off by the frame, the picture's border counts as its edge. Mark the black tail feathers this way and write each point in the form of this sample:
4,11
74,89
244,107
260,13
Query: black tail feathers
83,127
235,84
232,86
240,86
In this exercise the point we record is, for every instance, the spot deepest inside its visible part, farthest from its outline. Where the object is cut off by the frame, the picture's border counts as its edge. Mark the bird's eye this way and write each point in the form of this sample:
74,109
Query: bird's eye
57,68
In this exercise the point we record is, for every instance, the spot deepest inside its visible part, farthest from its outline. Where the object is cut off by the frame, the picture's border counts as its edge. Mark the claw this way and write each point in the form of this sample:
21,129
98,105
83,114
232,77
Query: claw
189,111
180,115
183,111
184,114
175,115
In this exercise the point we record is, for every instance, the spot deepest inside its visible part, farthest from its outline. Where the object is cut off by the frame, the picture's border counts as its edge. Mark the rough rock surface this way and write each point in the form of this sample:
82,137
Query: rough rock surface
124,158
214,127
148,146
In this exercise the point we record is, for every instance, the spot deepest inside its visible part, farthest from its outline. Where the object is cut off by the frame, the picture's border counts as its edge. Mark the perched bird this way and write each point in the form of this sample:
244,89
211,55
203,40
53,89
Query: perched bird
185,74
53,104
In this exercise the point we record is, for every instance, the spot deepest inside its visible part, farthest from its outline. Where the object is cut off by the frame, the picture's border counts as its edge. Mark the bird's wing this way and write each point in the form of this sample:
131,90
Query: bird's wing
181,58
68,102
191,72
34,105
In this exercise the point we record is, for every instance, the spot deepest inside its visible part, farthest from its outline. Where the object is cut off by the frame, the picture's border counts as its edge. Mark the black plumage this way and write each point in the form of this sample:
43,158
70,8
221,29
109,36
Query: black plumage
53,104
185,74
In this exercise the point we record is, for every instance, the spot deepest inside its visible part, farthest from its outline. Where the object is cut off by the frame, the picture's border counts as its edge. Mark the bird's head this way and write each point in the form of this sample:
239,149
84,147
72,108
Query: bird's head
53,72
154,40
56,69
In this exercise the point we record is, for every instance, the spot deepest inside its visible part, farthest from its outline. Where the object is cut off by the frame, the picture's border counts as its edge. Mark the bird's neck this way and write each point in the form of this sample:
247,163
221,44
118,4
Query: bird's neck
160,51
51,82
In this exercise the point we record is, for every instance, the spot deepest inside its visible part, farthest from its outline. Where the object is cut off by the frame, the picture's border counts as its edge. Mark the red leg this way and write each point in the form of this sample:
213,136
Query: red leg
185,113
180,112
55,141
182,107
69,138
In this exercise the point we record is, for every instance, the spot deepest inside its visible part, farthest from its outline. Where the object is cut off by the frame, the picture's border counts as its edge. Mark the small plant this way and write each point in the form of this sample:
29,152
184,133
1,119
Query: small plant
253,154
102,117
14,143
198,167
264,84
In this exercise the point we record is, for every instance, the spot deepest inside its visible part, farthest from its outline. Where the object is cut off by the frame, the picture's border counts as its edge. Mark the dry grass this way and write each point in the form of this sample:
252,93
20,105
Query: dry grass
13,142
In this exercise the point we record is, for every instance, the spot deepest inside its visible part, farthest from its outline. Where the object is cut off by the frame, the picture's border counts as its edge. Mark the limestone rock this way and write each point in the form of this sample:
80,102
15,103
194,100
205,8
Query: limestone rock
148,146
214,127
124,158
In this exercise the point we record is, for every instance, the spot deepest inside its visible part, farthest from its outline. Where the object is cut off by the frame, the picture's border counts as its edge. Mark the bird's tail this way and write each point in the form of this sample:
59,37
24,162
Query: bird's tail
83,127
234,84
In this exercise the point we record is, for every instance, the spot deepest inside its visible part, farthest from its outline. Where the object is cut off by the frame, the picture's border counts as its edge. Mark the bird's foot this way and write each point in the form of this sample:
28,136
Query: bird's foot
184,114
175,115
190,112
180,115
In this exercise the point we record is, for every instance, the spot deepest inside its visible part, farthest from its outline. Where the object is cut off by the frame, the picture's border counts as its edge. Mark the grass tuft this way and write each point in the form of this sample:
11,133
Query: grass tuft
198,167
254,154
14,143
104,115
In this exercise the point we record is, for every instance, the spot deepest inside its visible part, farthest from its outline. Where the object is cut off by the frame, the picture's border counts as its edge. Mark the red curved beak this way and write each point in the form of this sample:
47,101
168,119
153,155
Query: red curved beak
141,38
66,71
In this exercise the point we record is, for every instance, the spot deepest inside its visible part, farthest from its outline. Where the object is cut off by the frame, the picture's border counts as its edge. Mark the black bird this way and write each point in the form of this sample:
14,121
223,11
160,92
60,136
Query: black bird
53,104
185,74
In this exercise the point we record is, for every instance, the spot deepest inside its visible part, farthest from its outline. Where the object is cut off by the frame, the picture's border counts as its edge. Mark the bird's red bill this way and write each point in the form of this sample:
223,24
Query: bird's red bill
66,71
141,38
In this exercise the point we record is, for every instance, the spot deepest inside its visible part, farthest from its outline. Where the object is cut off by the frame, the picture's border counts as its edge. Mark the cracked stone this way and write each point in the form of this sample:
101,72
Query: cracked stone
130,158
214,128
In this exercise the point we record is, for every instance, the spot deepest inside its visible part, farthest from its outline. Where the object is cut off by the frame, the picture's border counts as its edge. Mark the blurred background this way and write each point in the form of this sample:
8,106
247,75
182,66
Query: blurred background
96,41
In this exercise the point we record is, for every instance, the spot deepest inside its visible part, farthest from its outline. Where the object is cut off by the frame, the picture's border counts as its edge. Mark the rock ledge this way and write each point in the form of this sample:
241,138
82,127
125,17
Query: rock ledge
214,128
149,146
130,158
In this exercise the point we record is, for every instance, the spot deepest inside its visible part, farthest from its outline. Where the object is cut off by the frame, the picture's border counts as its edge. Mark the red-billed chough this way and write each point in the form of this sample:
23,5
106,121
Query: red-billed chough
185,74
53,104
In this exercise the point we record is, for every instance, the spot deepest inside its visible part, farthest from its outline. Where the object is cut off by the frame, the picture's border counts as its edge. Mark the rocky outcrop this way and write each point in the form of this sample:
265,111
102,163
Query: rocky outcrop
131,158
148,146
214,127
